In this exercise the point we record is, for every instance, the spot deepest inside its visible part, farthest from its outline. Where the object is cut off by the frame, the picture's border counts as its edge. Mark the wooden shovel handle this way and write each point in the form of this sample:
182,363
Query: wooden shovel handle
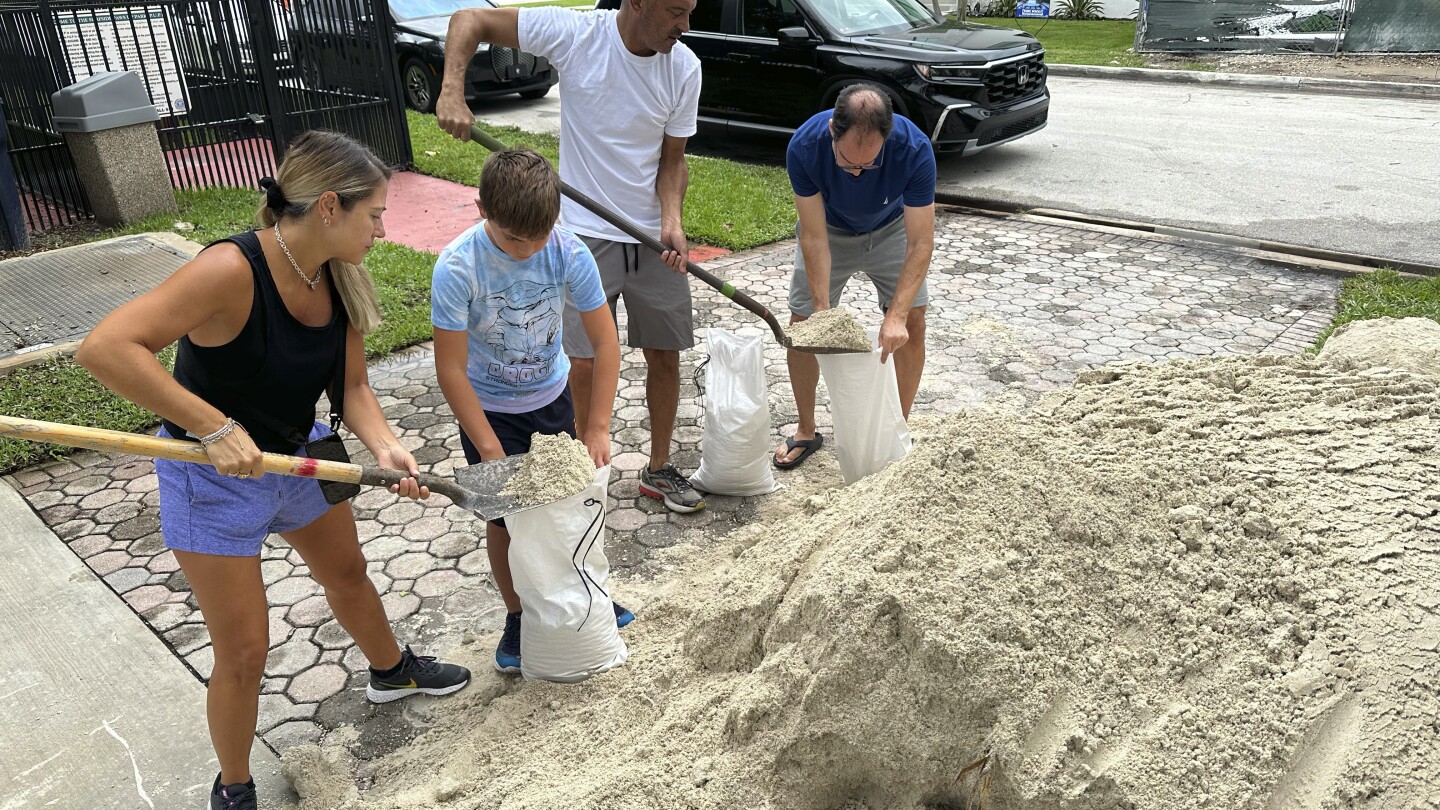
114,441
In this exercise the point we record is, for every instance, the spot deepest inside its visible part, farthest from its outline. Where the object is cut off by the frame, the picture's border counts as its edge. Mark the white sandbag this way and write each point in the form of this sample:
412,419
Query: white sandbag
870,430
558,564
735,449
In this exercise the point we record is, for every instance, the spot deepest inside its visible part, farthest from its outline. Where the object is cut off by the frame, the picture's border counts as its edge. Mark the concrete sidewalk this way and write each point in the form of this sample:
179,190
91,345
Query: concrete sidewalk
99,712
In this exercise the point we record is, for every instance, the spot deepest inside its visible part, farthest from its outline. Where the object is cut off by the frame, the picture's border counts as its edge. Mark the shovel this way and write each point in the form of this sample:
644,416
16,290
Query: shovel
725,288
478,490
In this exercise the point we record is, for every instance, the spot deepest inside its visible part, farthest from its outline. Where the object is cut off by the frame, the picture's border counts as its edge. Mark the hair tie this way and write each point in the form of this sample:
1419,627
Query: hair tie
274,197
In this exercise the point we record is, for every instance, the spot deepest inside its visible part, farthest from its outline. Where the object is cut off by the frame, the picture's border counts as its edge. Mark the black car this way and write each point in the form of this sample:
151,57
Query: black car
769,65
329,48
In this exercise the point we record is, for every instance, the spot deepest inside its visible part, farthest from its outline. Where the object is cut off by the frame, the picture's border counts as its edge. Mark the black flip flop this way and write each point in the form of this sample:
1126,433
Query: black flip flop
810,445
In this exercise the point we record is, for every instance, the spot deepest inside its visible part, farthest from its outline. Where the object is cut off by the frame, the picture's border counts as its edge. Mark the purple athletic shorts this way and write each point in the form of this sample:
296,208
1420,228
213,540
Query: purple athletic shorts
205,512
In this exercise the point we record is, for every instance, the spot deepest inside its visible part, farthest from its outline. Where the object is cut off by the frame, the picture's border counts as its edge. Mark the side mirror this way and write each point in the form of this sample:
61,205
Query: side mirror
796,36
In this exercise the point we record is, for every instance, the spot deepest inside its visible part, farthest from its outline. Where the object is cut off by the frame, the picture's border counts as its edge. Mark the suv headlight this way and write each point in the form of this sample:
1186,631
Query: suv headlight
951,74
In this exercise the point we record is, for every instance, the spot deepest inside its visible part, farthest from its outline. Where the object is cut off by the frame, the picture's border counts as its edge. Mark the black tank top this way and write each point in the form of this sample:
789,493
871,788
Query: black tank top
272,374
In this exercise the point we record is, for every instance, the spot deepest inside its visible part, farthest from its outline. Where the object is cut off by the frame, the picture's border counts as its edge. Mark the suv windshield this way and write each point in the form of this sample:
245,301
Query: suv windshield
859,17
413,9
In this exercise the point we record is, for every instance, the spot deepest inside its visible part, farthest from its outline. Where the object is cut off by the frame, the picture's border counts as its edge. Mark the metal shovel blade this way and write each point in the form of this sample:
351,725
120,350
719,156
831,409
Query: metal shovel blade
485,480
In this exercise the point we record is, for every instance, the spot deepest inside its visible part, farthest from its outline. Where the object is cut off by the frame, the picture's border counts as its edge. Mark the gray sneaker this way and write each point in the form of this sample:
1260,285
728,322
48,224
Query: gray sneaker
668,485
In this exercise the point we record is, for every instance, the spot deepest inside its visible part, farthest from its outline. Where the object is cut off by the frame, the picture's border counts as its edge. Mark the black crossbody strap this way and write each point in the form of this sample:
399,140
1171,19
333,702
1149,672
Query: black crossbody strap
337,386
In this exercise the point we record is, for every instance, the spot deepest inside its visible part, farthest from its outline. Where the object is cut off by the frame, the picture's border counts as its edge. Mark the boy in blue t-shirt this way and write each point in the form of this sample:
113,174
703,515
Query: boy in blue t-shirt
497,300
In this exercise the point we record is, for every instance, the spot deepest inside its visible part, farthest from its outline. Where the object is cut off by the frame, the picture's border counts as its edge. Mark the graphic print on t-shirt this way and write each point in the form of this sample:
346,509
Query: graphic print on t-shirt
526,324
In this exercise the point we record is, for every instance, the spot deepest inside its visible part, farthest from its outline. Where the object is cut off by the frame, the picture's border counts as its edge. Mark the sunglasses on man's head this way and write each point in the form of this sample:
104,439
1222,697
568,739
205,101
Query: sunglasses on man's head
845,163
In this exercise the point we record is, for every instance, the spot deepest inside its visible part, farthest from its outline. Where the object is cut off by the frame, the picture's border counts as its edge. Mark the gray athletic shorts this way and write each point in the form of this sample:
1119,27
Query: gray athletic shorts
879,254
657,299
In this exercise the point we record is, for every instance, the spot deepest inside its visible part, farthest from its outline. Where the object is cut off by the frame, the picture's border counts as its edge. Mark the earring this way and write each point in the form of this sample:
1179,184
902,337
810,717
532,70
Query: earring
327,221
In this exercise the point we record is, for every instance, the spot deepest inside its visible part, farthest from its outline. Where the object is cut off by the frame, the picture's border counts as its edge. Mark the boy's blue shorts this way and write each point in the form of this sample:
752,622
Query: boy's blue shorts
206,512
515,429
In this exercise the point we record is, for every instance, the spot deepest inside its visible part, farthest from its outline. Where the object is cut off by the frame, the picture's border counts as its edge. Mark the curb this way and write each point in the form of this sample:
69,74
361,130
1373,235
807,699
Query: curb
1300,257
1251,81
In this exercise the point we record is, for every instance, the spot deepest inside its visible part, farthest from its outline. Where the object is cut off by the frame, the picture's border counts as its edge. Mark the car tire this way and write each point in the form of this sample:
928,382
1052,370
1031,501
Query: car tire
834,93
421,85
539,92
307,64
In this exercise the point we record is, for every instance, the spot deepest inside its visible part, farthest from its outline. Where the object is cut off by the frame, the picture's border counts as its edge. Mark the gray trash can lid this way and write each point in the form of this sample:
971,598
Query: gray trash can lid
103,101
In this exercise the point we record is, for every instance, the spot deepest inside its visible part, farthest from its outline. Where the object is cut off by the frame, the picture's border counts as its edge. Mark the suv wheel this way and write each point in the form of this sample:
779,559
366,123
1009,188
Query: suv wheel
422,86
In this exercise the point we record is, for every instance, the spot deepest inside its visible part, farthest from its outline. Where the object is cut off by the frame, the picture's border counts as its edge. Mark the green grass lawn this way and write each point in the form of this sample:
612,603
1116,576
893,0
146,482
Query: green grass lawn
61,391
1384,293
1079,42
730,205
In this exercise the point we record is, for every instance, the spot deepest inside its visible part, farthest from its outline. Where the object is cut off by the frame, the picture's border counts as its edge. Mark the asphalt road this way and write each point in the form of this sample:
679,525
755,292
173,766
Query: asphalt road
1347,173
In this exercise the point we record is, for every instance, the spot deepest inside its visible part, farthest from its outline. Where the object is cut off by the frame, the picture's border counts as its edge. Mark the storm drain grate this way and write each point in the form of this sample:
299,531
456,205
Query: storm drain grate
59,296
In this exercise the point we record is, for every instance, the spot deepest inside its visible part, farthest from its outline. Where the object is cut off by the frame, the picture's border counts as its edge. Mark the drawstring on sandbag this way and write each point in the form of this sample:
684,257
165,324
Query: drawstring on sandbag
585,578
699,379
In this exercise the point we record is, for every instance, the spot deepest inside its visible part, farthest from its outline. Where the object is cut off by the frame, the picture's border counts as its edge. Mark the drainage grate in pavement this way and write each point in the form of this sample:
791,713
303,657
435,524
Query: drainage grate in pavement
59,296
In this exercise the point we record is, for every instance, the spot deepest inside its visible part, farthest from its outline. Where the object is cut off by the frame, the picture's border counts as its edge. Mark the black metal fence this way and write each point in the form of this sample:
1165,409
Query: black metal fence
233,80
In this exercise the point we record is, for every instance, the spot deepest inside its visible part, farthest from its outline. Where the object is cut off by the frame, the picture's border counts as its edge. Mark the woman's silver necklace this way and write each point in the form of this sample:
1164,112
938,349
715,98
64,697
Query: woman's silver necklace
310,281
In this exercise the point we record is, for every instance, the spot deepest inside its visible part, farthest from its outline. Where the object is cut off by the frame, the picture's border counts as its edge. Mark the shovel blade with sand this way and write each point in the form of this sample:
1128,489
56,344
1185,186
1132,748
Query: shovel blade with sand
725,288
478,488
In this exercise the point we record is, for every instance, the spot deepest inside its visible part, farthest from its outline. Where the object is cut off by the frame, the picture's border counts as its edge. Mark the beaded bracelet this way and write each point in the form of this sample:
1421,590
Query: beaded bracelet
222,432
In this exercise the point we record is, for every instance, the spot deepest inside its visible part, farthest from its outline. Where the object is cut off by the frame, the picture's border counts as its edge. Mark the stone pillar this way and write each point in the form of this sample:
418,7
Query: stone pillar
109,126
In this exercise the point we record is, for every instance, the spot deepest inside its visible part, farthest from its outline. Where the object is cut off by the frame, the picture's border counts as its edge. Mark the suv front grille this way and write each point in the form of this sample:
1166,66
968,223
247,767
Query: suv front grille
1014,130
1015,80
510,64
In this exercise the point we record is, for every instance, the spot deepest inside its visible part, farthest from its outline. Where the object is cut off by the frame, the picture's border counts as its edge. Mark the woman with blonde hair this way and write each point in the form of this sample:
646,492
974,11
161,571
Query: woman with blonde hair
266,321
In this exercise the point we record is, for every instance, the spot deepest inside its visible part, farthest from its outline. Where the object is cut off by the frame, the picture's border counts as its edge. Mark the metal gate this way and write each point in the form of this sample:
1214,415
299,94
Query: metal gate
234,82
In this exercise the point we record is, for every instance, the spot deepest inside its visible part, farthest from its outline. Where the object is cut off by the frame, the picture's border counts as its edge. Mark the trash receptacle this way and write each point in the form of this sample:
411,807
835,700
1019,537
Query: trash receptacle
109,124
103,101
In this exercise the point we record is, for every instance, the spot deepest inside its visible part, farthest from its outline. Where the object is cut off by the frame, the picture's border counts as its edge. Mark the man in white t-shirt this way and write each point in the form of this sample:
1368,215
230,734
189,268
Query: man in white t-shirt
630,95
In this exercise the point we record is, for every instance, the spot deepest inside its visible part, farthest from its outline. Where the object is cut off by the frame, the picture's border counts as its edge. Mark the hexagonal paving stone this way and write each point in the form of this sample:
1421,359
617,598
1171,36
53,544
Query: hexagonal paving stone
475,563
400,605
102,499
438,583
453,544
292,589
86,485
296,732
317,683
331,636
426,528
144,598
166,616
187,638
292,657
278,708
386,547
309,612
410,566
127,579
400,514
108,562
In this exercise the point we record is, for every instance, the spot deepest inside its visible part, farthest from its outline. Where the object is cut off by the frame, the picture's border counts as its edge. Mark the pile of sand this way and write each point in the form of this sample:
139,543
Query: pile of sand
1193,585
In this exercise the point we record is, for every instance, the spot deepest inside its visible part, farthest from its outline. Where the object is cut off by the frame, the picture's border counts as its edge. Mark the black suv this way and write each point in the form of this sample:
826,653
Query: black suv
771,64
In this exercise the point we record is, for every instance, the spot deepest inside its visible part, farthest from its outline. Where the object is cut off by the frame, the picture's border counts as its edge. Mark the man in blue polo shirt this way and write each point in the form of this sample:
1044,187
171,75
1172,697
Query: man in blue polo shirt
864,182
